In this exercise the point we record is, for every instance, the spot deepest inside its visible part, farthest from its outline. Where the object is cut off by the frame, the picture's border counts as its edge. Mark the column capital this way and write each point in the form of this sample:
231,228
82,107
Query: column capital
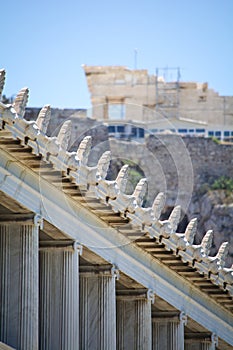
214,339
183,318
135,294
151,295
77,246
202,337
169,316
22,219
38,221
115,272
62,245
18,218
191,337
104,270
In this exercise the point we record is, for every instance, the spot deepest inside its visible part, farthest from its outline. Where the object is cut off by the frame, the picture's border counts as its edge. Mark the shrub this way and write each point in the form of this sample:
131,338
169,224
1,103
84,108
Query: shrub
215,139
223,183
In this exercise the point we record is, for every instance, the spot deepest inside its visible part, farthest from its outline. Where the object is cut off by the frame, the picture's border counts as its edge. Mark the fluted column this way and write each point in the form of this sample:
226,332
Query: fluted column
168,331
134,319
59,295
19,281
200,341
97,307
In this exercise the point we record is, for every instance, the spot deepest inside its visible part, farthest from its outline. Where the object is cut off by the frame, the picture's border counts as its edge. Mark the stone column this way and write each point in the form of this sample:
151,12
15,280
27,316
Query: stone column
19,281
168,330
97,307
200,341
134,319
59,295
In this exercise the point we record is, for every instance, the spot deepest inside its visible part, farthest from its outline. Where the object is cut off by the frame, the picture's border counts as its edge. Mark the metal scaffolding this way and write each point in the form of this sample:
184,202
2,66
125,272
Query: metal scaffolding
167,91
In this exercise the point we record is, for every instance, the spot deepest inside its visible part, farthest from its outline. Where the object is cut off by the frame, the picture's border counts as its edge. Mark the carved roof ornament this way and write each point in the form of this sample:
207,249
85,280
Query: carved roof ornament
222,254
2,81
227,274
140,217
8,113
140,191
64,135
174,217
158,205
122,178
43,118
103,164
21,101
197,252
84,150
150,218
191,231
122,203
206,242
107,190
78,160
218,261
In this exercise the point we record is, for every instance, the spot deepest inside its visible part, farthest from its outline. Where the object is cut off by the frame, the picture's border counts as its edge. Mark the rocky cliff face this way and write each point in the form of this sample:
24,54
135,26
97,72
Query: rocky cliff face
185,169
214,211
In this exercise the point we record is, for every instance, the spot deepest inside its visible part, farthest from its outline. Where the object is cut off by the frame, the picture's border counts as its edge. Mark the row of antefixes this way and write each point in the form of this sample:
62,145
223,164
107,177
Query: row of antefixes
48,156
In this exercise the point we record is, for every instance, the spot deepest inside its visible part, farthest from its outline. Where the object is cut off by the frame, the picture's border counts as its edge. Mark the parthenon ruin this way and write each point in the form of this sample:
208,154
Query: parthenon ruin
158,102
83,265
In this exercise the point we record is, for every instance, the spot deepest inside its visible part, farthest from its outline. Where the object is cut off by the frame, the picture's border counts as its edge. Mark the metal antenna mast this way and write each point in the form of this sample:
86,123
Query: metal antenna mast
135,58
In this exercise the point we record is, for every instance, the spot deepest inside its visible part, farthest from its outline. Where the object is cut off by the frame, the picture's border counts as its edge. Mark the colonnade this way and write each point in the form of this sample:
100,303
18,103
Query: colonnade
48,301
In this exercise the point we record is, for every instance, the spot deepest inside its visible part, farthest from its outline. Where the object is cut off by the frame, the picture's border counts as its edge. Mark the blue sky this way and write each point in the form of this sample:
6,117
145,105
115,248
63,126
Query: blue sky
44,43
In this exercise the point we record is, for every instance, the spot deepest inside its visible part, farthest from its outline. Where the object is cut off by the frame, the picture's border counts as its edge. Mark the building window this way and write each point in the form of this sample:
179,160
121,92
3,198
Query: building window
134,132
217,133
111,128
226,133
200,130
210,133
120,128
137,132
116,111
182,131
191,130
141,132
